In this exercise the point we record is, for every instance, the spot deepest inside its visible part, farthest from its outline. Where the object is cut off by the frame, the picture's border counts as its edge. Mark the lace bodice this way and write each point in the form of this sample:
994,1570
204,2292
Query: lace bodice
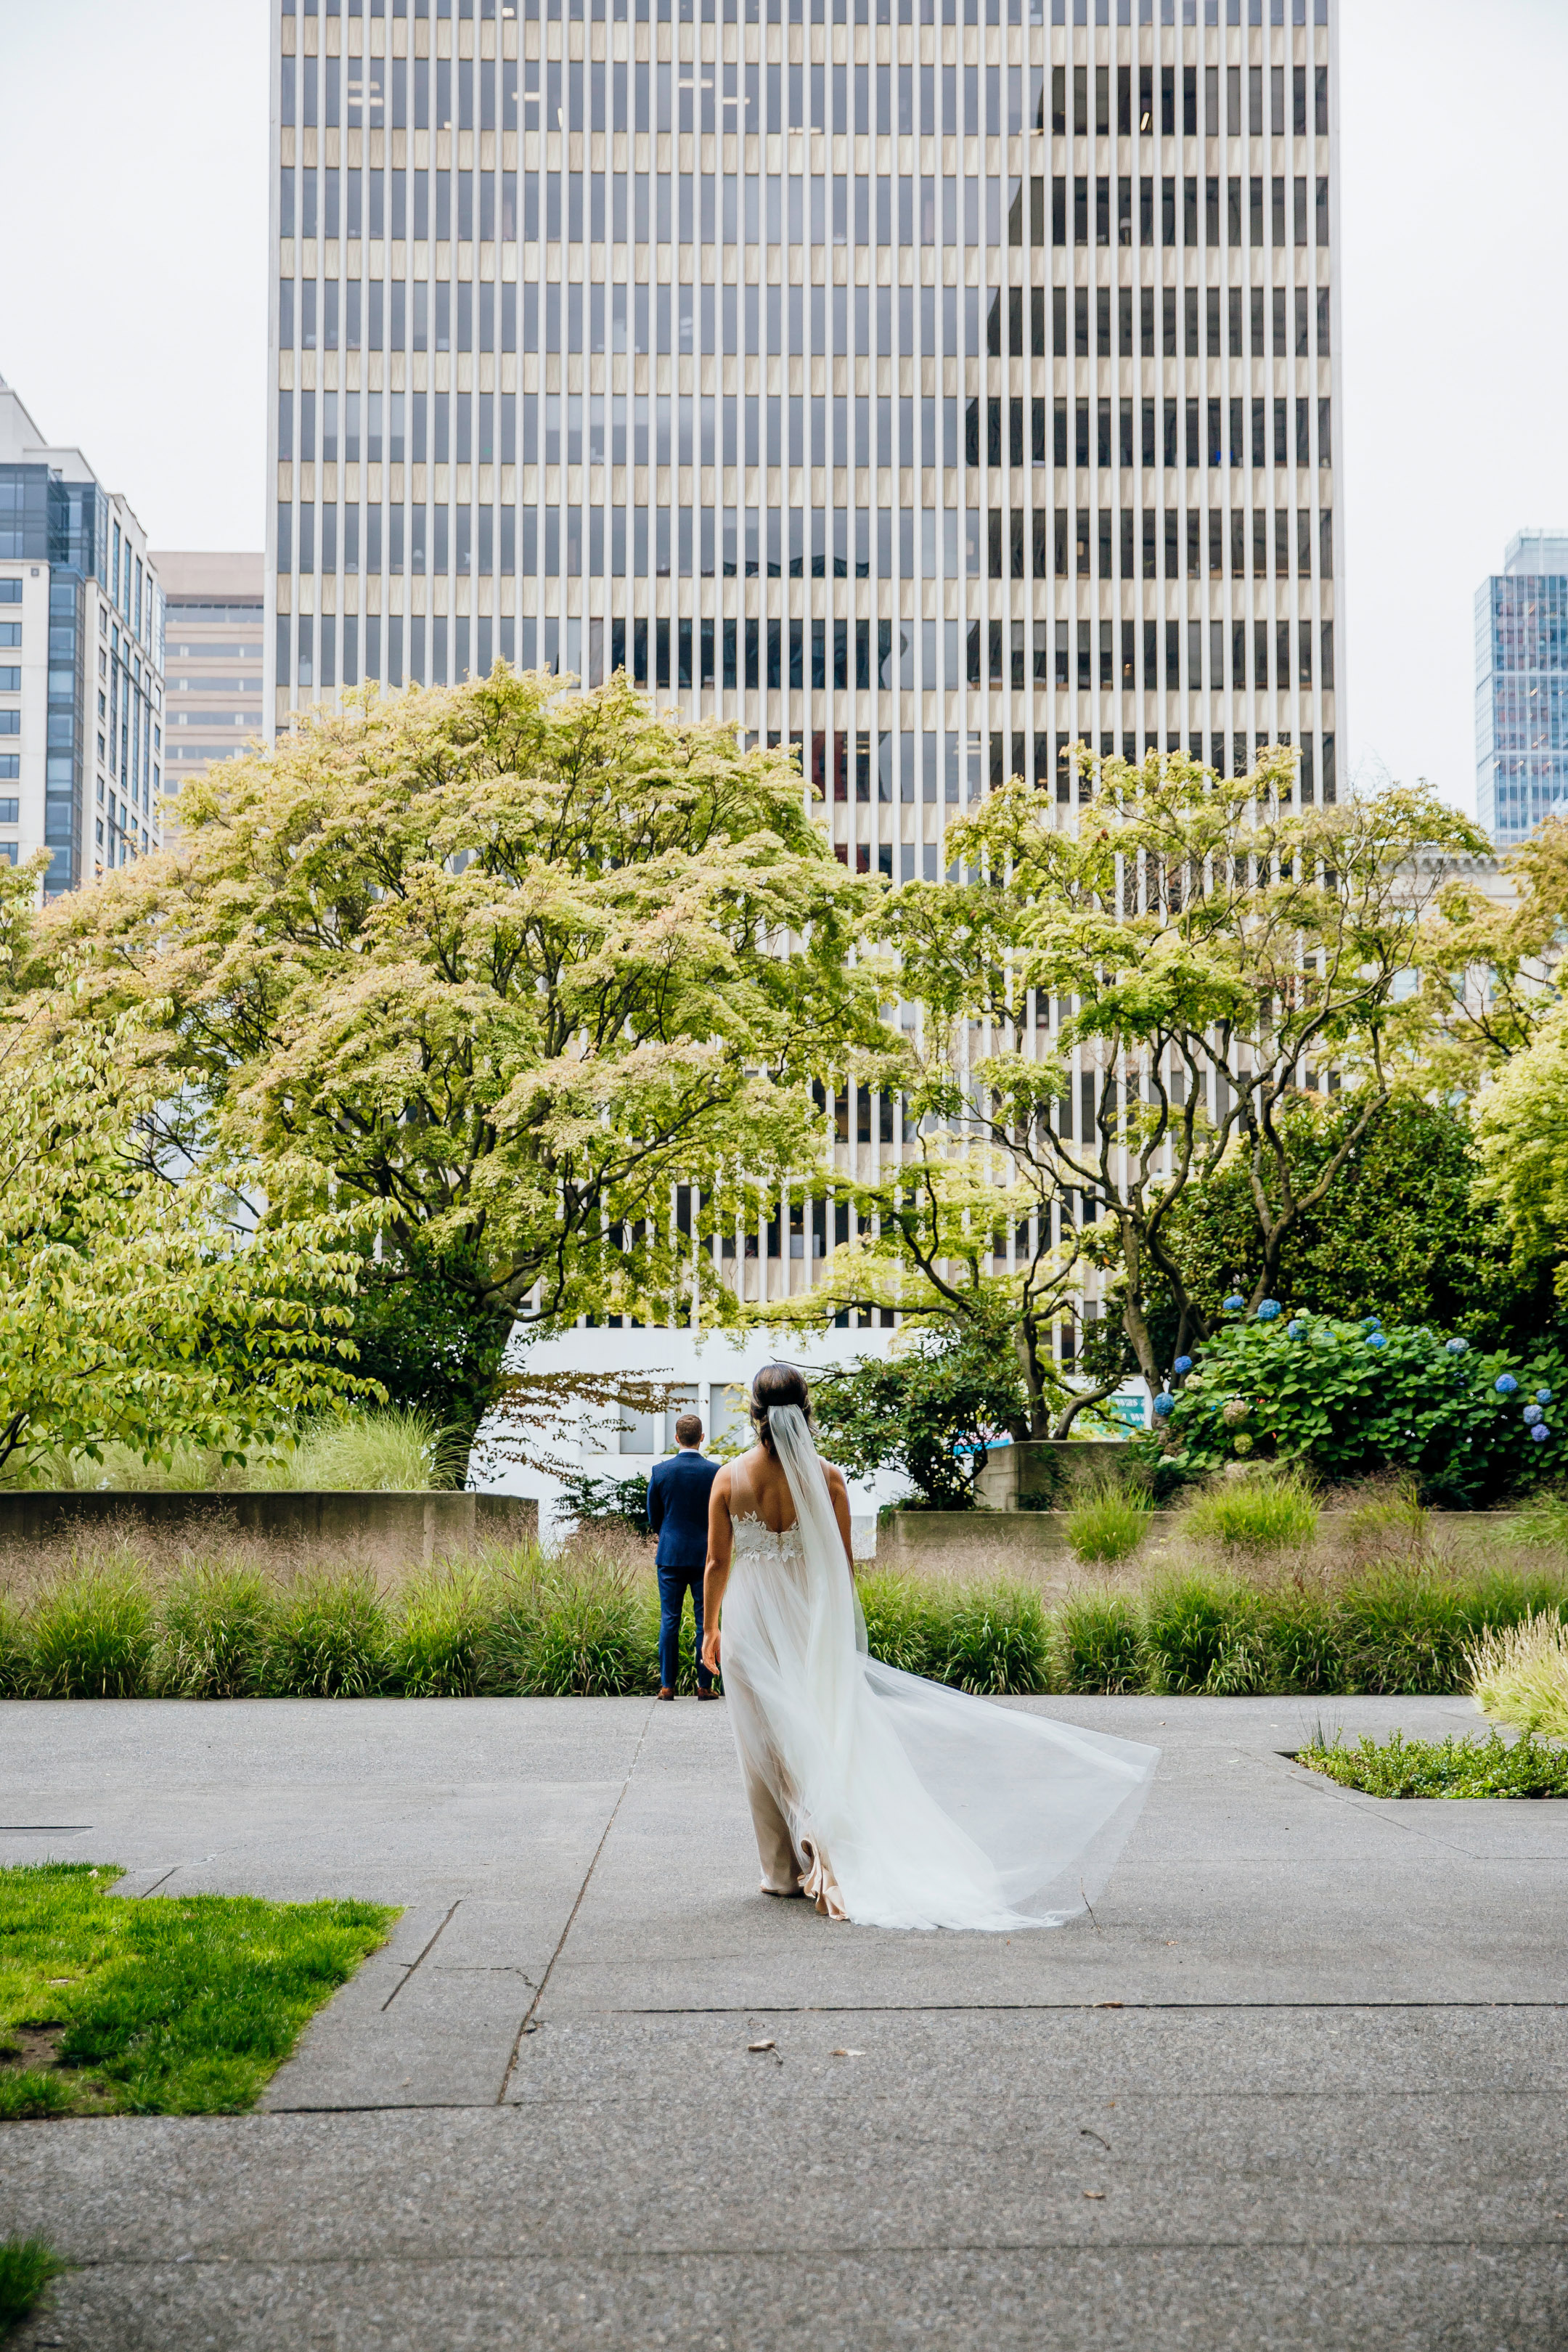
754,1539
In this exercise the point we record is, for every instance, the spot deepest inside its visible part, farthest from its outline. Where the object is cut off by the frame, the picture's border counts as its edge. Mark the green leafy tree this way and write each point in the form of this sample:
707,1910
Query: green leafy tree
507,965
1400,1235
1489,968
1218,947
1523,1138
134,1310
932,1410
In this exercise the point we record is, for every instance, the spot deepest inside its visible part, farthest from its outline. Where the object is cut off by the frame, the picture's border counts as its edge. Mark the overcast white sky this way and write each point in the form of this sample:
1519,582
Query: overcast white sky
133,302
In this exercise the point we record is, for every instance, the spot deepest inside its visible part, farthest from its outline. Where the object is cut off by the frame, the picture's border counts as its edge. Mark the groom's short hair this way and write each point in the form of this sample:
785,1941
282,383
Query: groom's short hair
688,1430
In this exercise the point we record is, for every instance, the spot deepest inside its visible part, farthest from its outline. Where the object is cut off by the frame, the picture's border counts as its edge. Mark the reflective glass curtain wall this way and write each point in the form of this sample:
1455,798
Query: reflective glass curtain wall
1521,701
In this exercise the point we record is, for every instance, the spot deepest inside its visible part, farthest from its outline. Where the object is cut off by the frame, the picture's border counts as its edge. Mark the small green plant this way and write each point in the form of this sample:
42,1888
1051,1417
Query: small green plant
329,1640
27,2266
177,2005
91,1636
1099,1643
1519,1675
212,1634
1266,1513
1455,1767
1106,1524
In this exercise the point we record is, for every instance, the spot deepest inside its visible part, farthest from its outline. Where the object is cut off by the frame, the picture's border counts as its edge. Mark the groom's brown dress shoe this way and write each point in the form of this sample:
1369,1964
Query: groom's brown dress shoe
667,1693
710,1694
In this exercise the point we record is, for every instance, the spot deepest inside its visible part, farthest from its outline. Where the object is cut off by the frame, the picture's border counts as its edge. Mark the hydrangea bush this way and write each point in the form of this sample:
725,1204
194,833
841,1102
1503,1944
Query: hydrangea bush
1348,1399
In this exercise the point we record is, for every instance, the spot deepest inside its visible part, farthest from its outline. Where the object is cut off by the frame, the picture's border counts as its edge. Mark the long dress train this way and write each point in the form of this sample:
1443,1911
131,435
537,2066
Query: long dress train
891,1801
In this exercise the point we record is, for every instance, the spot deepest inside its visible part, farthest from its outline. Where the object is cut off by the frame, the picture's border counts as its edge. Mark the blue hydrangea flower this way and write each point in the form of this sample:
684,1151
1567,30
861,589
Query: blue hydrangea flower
1541,1432
1543,1396
1534,1413
1457,1346
1267,1309
1377,1340
1235,1303
1164,1406
1294,1331
1373,1323
1505,1384
1182,1365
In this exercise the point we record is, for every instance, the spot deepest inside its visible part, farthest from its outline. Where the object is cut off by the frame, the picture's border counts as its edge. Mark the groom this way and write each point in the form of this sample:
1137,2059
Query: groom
678,1513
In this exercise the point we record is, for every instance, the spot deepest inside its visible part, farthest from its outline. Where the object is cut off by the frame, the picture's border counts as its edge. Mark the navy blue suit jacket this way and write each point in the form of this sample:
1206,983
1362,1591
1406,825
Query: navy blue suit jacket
677,1508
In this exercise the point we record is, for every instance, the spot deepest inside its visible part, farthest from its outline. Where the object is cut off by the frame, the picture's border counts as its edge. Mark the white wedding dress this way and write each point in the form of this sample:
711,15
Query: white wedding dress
890,1801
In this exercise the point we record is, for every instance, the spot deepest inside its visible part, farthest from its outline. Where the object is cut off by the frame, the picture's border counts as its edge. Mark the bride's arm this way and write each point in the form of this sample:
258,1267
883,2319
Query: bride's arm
716,1574
839,1495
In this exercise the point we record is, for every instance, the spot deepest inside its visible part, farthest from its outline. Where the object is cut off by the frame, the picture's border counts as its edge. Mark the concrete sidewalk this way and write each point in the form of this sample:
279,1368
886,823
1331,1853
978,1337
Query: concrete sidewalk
1299,2082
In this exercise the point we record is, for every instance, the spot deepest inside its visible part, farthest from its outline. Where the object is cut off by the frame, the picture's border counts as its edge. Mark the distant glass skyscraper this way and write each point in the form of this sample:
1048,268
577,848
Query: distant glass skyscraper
81,663
1522,687
931,393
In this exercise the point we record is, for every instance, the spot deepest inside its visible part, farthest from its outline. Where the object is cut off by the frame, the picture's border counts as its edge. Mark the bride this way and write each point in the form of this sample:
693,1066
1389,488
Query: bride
886,1800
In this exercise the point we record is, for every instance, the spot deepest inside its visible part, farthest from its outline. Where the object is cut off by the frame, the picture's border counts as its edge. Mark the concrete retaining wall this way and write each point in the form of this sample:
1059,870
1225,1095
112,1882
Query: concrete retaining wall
388,1529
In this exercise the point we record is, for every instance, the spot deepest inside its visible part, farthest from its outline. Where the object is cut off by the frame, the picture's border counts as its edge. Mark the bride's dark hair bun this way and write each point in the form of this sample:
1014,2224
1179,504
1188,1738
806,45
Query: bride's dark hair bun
777,1384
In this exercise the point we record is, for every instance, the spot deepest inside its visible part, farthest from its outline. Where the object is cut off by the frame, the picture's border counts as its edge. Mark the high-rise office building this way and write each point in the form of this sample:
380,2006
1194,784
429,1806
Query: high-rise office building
1522,687
934,394
215,622
81,662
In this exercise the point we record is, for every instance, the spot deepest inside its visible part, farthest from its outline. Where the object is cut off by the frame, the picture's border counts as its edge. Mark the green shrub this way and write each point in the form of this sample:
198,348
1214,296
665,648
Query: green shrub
212,1637
1262,1514
91,1636
1453,1768
1099,1643
27,2266
1106,1524
1350,1401
569,1632
1205,1633
328,1640
438,1644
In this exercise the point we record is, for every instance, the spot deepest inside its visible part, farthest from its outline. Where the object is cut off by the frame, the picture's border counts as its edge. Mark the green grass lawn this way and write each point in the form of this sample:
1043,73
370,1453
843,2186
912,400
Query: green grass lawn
1449,1767
179,2005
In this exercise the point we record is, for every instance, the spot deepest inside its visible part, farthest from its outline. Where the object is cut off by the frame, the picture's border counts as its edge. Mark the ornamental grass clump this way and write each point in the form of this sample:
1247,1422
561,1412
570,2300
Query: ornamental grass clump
1098,1642
1205,1633
89,1636
1107,1524
1519,1674
1270,1512
579,1629
214,1624
994,1639
329,1640
439,1641
905,1620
